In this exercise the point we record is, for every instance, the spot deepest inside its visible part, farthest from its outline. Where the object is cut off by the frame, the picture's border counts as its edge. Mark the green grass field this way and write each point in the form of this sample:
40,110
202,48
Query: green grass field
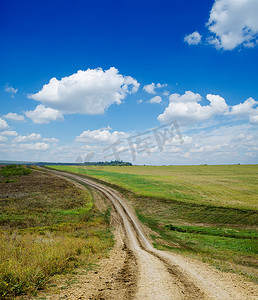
229,186
48,227
209,212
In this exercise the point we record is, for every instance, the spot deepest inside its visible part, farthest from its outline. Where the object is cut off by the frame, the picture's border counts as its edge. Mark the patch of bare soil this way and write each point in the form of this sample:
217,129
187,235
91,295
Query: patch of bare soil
114,277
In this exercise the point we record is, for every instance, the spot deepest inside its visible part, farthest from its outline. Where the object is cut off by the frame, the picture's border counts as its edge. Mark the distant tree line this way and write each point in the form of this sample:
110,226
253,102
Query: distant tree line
98,163
108,163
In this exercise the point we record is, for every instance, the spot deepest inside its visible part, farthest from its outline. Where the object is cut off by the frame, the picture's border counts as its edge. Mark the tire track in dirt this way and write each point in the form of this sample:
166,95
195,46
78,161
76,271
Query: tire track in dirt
157,279
163,275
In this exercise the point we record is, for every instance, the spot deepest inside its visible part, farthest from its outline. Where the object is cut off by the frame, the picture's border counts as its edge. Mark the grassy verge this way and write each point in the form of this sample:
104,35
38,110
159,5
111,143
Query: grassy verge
48,227
209,212
229,249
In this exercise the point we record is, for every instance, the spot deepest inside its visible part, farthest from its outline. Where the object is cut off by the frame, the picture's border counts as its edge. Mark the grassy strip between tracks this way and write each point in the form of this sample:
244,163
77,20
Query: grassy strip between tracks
204,211
48,227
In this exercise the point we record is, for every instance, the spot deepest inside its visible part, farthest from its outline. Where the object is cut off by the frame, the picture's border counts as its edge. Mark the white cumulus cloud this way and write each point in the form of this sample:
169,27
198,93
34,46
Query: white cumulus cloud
35,146
14,117
43,115
86,92
29,137
9,133
246,109
101,135
188,96
233,23
9,89
150,88
159,85
156,99
254,118
51,140
207,148
3,139
193,38
3,124
187,109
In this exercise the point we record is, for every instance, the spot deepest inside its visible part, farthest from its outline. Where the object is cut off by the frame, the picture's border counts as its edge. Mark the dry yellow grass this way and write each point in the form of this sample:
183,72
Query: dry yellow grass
27,261
49,227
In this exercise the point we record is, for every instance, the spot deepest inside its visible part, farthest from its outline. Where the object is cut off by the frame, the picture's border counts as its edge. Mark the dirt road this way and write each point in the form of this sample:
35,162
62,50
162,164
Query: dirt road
147,273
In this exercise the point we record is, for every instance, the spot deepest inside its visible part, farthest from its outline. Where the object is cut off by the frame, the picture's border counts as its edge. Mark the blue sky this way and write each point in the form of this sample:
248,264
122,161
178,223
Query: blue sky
78,77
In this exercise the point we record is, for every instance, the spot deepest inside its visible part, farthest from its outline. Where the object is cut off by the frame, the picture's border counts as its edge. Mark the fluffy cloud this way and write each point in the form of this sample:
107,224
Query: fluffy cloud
246,109
35,147
86,92
51,140
9,89
43,115
188,96
3,124
30,137
207,148
233,23
22,143
156,99
230,143
193,38
159,85
14,117
100,135
3,139
254,119
186,109
9,133
150,88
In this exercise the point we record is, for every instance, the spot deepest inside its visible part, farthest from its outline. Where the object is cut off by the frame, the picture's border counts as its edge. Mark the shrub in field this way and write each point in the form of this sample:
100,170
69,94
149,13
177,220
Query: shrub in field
14,170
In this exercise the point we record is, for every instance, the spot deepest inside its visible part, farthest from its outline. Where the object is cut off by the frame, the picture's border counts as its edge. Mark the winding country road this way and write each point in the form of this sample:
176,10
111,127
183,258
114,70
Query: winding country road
165,275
